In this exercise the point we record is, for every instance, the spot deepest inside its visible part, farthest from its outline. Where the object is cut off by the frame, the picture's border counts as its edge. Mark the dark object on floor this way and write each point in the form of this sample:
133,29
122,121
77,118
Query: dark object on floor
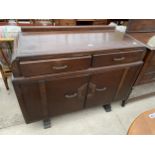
107,107
47,123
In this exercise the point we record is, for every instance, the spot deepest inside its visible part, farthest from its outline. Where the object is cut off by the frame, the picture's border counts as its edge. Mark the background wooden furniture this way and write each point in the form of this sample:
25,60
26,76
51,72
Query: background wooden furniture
67,29
61,22
27,22
143,124
5,64
5,72
141,25
144,31
91,22
119,21
64,22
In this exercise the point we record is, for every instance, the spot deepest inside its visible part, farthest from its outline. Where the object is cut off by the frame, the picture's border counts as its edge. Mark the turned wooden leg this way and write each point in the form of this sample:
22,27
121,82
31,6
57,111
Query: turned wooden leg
47,123
4,78
107,107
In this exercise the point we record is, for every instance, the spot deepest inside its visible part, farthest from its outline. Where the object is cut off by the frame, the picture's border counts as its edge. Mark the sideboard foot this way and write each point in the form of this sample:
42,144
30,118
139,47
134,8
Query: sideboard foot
47,123
124,102
107,107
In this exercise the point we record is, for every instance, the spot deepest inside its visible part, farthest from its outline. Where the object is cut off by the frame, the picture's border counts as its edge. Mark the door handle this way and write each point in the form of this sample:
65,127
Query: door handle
119,59
101,89
60,67
93,89
71,95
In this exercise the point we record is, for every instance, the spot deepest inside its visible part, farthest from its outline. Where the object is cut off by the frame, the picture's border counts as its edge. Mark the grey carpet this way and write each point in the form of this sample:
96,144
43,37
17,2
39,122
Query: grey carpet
10,113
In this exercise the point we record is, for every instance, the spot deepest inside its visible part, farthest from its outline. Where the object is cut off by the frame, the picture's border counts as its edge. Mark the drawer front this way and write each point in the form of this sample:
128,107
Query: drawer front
40,67
117,58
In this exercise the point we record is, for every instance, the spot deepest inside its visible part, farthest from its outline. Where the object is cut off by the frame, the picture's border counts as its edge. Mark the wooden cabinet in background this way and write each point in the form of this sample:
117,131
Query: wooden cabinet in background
74,22
92,22
143,30
65,22
100,22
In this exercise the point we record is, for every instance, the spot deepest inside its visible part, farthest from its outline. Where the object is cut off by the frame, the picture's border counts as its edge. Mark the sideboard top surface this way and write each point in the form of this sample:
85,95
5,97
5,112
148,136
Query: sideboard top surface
48,43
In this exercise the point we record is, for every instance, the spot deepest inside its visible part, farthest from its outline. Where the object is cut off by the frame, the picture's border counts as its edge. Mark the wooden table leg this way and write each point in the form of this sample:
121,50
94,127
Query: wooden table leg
4,78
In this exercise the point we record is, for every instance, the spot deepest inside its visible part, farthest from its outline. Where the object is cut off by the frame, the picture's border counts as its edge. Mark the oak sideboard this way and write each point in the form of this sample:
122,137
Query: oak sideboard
58,72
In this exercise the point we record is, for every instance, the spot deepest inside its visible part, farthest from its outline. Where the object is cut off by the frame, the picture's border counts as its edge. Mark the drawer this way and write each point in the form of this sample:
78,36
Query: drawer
48,66
117,58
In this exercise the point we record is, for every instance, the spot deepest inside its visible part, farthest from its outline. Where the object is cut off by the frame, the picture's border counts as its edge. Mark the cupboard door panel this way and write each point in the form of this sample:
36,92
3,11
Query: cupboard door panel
66,95
103,86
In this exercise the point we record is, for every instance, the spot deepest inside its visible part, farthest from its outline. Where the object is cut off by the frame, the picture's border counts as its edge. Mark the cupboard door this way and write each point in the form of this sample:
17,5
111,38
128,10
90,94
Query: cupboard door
103,87
66,95
111,85
41,99
30,100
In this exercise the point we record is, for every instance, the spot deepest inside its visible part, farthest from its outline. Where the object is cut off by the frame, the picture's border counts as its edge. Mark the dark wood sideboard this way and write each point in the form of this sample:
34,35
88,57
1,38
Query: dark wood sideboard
143,30
71,69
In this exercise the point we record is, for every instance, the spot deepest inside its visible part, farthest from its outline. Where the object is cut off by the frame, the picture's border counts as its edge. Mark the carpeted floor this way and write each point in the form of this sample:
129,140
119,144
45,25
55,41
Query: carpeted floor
10,113
90,121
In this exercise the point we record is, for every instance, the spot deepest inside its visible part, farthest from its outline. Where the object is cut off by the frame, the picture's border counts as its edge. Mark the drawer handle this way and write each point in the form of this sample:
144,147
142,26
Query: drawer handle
71,95
60,67
101,89
119,59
